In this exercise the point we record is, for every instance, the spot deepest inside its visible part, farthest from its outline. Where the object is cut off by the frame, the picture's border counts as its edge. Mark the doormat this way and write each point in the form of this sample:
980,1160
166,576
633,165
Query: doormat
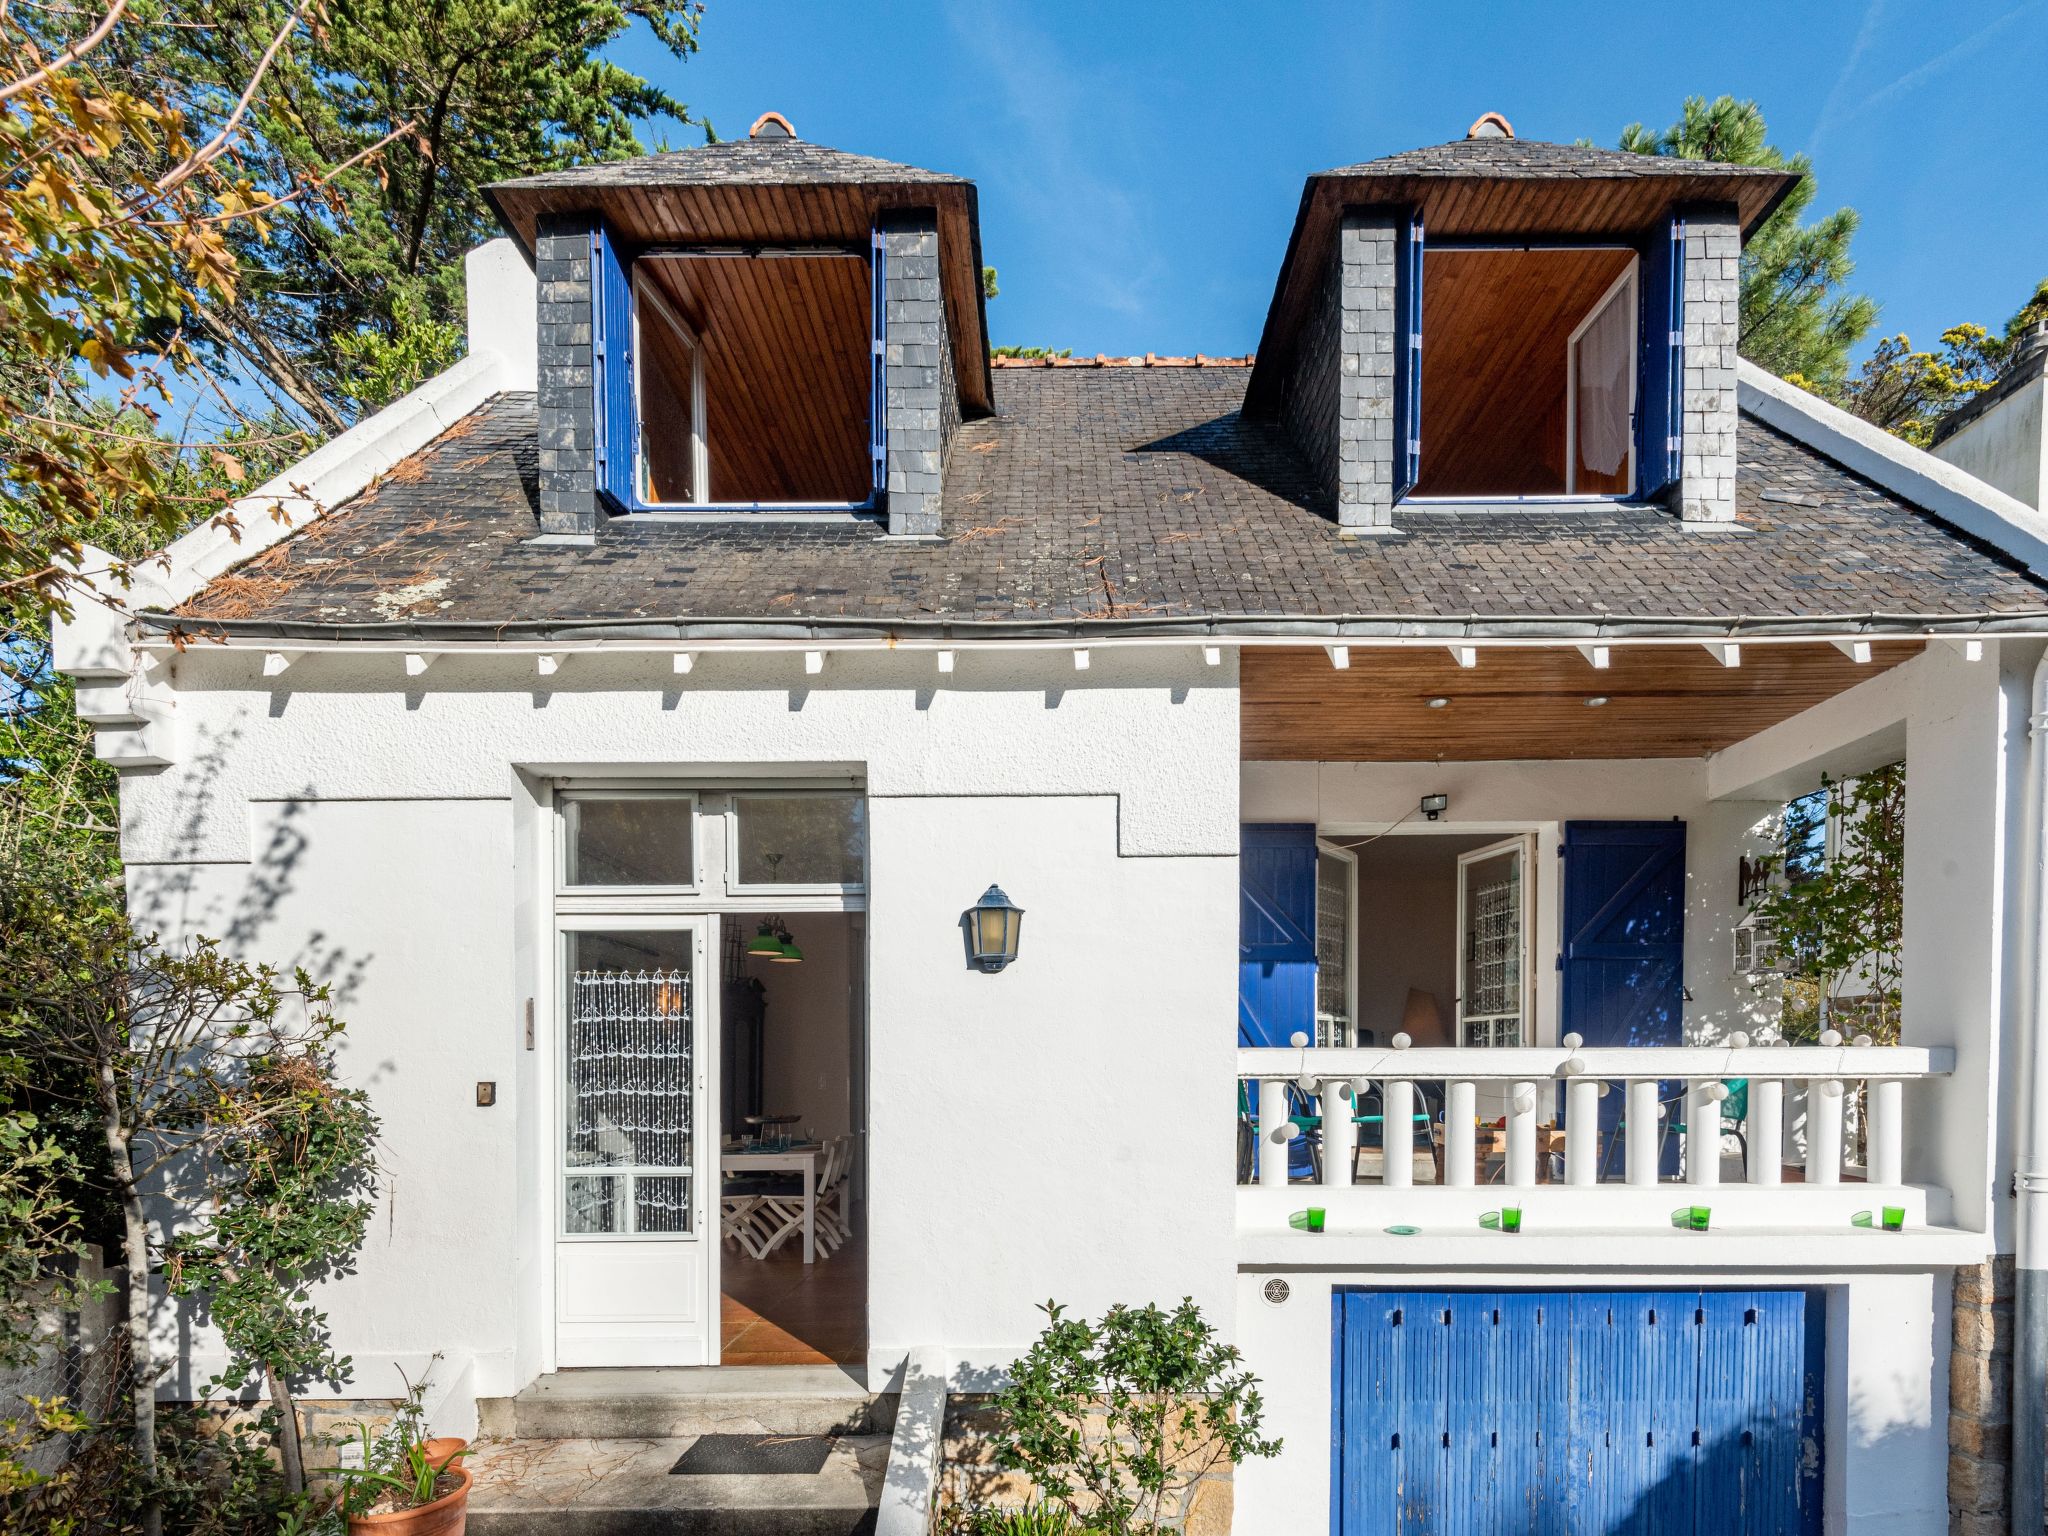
753,1455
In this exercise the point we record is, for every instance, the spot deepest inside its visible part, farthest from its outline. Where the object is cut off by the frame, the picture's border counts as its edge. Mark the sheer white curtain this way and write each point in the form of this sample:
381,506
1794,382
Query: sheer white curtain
1603,361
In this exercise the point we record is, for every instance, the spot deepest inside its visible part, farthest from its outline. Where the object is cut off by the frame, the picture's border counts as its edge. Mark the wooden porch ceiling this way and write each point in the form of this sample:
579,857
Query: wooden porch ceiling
1664,700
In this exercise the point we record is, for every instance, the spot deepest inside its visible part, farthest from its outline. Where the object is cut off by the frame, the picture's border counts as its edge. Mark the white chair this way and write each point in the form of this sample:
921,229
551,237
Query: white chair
779,1218
835,1192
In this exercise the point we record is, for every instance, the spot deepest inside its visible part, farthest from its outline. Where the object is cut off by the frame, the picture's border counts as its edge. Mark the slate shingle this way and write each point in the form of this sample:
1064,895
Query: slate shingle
1119,495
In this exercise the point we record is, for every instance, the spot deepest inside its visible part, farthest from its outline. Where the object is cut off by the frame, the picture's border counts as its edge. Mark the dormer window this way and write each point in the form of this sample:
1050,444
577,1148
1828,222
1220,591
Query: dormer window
1531,370
737,379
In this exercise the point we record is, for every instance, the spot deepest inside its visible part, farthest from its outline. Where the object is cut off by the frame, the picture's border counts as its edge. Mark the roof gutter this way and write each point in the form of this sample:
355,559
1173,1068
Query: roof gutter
1249,630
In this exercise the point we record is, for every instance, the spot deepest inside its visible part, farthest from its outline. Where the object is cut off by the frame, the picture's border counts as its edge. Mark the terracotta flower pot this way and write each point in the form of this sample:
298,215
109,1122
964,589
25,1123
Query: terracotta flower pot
446,1516
444,1449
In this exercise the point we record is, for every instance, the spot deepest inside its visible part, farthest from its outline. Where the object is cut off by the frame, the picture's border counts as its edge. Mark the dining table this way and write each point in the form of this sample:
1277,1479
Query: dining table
799,1159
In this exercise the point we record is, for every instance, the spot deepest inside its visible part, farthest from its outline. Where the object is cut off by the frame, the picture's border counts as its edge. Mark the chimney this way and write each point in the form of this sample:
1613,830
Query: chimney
1490,125
771,126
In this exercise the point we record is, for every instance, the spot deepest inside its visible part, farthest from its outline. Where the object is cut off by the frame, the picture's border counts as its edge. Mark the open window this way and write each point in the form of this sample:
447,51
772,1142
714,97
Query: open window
1538,372
737,379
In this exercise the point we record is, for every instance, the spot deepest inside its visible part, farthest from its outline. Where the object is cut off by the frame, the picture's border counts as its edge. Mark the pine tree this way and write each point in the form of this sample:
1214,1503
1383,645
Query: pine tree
1798,319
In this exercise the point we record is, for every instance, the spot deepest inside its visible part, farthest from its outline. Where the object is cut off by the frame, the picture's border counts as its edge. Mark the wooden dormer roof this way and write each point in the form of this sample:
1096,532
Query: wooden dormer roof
768,191
1498,187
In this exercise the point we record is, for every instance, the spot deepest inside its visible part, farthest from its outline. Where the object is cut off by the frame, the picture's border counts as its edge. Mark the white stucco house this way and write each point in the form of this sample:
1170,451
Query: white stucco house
1372,732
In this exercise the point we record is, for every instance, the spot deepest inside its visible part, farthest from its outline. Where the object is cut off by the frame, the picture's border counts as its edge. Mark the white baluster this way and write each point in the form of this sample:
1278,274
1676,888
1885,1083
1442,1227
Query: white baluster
1275,1131
1824,1131
1582,1130
1887,1131
1340,1132
1461,1149
1766,1131
1521,1171
1703,1132
1641,1133
1397,1165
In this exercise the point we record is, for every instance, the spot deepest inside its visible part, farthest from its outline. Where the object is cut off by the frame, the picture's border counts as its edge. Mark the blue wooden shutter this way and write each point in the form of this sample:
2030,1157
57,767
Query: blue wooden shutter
1276,948
611,355
1276,934
1408,358
1623,954
1660,368
878,367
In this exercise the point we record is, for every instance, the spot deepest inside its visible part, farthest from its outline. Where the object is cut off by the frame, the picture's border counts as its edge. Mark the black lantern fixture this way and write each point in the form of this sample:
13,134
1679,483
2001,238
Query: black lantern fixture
992,925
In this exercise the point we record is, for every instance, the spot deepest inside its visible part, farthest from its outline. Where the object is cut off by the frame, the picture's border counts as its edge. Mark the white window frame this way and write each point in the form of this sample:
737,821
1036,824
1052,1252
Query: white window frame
736,889
624,898
1349,859
1627,280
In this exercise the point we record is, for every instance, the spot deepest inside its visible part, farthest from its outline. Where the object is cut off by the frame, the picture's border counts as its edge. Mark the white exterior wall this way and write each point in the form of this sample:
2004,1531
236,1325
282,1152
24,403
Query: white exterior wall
1885,1422
2006,445
384,829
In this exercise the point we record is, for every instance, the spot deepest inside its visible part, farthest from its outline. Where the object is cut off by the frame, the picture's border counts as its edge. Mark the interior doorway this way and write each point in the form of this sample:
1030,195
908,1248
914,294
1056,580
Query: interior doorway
792,1107
1444,934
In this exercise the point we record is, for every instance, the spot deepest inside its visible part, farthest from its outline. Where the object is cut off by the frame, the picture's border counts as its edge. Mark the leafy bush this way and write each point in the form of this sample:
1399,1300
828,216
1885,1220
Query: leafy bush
1115,1422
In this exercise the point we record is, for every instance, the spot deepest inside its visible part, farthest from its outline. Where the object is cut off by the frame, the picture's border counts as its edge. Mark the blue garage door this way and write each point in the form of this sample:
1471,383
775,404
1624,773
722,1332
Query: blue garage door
1579,1413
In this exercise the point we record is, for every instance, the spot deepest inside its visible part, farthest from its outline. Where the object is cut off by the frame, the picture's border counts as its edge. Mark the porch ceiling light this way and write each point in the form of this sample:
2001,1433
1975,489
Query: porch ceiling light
992,925
1439,702
1596,701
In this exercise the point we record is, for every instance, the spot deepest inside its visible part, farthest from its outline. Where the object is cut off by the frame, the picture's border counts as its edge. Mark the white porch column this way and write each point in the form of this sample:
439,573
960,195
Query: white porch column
1886,1134
1521,1170
1824,1131
1461,1148
1581,1120
1340,1132
1766,1132
1275,1132
1703,1132
1640,1134
1397,1138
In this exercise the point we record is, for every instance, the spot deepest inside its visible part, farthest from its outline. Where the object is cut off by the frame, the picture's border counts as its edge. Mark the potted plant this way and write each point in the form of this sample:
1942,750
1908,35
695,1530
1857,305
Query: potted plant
406,1483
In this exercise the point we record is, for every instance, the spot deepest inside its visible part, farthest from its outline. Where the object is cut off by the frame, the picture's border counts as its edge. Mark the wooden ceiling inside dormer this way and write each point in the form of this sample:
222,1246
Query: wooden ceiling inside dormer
757,214
786,360
1529,702
1494,328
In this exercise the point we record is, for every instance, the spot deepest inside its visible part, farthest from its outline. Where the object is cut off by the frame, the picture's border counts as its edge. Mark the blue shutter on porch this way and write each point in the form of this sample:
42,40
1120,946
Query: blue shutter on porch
1623,953
611,355
1408,358
1276,947
1660,371
1276,934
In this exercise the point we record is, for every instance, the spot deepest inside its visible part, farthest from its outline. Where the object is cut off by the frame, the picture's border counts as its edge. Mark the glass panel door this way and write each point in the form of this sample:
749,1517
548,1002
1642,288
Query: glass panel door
1602,369
628,1064
1493,945
634,1276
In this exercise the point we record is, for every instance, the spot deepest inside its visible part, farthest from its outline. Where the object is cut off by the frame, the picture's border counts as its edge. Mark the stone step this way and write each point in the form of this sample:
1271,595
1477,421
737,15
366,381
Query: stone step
690,1400
627,1487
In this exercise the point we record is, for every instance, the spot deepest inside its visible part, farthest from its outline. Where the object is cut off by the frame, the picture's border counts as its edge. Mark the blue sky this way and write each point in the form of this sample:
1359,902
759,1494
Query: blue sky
1139,164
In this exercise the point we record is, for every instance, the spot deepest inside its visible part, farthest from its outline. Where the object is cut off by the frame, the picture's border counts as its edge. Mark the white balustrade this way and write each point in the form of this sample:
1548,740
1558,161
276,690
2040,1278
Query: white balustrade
1662,1086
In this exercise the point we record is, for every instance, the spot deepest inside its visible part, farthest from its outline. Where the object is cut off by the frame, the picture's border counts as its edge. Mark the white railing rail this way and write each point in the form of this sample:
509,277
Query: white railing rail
1524,1082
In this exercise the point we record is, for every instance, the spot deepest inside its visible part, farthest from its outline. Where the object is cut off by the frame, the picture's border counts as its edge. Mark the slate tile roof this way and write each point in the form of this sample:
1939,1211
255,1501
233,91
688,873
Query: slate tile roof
735,162
1115,496
1526,159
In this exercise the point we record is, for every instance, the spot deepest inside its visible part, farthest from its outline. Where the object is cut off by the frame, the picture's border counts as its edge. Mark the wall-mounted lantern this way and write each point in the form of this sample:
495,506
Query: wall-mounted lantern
992,925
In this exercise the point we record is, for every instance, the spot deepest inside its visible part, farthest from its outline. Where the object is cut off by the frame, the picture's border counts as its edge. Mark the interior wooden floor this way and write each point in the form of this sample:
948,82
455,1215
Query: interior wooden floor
782,1311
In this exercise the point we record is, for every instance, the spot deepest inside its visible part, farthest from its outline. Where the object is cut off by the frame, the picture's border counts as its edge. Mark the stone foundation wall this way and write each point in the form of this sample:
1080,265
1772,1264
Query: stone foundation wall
1980,1400
970,1480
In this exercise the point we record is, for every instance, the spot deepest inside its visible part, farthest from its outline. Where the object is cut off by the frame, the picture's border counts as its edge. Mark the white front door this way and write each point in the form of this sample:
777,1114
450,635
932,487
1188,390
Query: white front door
636,1240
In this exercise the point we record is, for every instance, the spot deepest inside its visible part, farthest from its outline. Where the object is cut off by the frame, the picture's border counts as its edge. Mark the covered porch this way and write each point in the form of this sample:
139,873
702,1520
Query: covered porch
1492,963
